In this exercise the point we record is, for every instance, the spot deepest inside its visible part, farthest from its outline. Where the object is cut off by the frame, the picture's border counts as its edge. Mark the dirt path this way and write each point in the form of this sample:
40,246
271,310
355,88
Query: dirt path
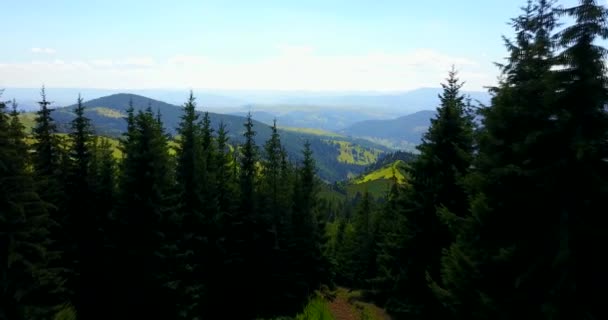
342,310
347,305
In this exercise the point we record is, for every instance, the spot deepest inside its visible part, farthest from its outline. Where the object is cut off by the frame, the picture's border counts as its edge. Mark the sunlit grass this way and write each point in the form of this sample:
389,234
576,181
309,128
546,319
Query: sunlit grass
312,131
354,154
396,168
107,112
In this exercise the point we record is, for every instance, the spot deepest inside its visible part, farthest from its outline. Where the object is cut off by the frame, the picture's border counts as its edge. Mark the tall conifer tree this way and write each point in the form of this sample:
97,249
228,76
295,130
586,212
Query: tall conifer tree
502,262
29,286
583,124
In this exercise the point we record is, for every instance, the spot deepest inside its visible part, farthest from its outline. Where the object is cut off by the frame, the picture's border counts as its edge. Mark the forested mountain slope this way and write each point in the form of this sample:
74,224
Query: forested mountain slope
338,157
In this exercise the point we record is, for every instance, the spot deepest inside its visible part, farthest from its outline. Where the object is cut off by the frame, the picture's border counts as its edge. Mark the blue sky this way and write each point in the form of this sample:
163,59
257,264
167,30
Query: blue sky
286,45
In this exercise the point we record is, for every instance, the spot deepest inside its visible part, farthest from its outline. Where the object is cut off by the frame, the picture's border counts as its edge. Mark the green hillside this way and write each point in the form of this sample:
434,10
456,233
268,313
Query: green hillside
313,131
354,154
402,133
377,182
396,169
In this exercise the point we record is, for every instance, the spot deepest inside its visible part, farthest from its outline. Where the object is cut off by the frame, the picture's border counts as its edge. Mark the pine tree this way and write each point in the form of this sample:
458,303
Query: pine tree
209,177
46,154
271,174
308,230
47,159
50,163
241,232
248,170
502,262
445,157
28,282
80,242
364,257
190,163
195,220
103,174
226,184
583,124
271,231
390,248
144,217
102,183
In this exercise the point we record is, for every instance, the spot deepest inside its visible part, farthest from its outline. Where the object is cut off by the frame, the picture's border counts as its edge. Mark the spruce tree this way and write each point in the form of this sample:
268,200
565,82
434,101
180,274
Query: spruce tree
144,217
192,185
46,154
501,264
80,229
29,286
308,230
248,171
242,231
47,159
392,237
364,257
445,157
102,183
271,214
582,121
209,174
271,174
226,184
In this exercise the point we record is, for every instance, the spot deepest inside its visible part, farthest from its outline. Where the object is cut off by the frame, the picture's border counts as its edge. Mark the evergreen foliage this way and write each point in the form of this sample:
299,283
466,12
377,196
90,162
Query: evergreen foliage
197,225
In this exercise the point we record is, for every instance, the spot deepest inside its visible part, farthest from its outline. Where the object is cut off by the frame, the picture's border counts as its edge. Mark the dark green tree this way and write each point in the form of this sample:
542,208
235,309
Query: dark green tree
271,183
445,158
46,155
248,171
192,185
364,257
582,120
209,174
392,236
81,238
502,263
226,184
28,283
103,238
242,230
48,160
308,230
144,219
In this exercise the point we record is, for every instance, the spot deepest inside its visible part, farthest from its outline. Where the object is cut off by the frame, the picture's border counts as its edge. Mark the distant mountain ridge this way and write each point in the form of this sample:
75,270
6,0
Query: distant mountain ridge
398,103
337,157
408,129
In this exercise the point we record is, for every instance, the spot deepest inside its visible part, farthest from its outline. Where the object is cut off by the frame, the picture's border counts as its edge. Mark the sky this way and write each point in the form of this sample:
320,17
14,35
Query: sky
312,45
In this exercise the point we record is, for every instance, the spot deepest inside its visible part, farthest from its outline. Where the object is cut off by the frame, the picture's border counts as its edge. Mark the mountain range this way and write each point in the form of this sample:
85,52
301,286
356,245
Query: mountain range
337,156
400,133
371,104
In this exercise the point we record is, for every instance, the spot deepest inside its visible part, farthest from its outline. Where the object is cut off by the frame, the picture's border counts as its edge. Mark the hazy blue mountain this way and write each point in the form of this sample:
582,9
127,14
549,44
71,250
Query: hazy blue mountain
315,117
404,132
228,101
27,97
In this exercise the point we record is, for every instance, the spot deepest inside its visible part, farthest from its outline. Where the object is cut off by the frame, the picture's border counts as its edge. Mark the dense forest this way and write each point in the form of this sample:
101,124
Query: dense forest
194,226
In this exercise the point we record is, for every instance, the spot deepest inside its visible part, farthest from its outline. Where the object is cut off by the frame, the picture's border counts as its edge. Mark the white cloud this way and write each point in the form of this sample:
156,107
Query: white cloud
43,50
126,62
102,62
291,68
